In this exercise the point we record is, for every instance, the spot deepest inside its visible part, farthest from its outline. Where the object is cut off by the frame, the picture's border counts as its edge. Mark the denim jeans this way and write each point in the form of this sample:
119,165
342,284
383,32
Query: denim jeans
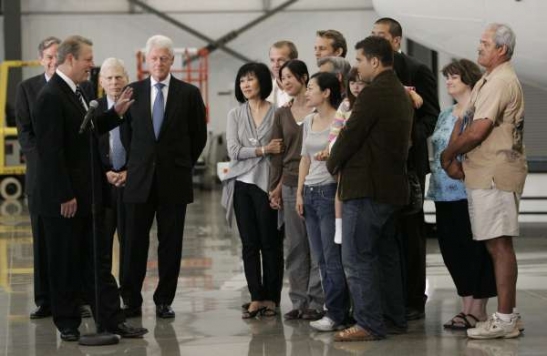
319,215
371,256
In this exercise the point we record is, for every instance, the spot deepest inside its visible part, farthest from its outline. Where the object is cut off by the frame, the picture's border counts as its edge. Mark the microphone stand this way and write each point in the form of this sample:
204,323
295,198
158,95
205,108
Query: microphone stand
99,338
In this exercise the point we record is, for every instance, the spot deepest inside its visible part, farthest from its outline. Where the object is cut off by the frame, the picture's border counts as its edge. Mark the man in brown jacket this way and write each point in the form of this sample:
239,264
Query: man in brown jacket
371,153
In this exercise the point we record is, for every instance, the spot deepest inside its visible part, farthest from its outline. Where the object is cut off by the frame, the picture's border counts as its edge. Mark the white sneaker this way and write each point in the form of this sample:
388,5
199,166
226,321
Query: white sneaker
494,328
520,323
326,324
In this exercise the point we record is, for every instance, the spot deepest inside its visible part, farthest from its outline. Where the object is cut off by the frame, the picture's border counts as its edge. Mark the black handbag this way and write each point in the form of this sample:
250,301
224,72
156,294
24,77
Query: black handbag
416,200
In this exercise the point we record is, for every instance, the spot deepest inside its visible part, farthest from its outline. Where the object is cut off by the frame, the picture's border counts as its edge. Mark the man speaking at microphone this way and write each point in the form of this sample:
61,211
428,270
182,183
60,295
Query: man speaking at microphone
64,193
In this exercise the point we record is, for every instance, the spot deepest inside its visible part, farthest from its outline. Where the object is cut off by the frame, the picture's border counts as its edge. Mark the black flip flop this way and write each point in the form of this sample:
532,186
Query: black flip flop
455,325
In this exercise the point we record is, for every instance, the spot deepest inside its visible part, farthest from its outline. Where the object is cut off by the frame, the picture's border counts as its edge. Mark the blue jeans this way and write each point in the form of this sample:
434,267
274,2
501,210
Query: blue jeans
371,256
319,215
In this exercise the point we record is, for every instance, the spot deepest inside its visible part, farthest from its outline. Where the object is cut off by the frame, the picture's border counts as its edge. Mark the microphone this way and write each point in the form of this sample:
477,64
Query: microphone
93,105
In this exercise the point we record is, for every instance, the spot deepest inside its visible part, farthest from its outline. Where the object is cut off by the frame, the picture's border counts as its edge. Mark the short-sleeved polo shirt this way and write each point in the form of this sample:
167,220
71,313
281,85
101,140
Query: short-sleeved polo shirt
500,158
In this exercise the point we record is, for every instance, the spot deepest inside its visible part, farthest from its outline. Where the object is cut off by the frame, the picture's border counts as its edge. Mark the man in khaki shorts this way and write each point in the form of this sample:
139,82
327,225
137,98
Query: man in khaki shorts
495,169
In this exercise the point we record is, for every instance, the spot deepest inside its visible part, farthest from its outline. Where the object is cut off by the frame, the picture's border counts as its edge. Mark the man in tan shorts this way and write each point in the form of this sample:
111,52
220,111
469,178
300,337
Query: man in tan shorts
495,169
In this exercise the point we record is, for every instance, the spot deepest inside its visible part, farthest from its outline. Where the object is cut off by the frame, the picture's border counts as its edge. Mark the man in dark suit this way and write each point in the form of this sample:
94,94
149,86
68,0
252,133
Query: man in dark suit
370,154
64,194
112,149
414,74
27,91
167,132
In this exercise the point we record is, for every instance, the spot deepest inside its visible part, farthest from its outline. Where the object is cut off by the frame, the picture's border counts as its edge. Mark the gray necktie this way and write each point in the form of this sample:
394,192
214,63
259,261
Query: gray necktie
158,110
118,151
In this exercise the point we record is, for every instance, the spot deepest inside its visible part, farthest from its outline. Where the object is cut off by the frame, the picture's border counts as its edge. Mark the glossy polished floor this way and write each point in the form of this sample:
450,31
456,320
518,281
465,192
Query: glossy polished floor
212,288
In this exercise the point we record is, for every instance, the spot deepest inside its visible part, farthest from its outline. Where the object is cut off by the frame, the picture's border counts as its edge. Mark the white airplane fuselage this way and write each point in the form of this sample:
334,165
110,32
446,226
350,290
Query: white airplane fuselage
454,27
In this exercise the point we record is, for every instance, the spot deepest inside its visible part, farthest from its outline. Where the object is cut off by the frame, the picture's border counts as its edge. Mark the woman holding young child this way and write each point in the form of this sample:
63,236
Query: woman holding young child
315,199
354,87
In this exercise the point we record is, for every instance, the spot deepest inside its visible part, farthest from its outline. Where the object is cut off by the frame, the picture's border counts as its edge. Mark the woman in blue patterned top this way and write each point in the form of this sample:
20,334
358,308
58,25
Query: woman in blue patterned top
467,261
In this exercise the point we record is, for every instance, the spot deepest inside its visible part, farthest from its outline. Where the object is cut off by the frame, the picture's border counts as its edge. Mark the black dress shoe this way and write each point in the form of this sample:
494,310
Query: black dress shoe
132,312
127,331
312,314
293,314
394,329
85,312
70,334
40,312
164,311
414,314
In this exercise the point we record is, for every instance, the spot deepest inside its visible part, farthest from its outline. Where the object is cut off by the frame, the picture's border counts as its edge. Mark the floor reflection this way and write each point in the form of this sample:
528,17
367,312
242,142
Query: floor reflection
212,288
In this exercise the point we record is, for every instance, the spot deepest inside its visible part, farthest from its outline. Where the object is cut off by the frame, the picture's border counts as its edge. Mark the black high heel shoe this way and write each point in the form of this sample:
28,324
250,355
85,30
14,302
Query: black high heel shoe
269,309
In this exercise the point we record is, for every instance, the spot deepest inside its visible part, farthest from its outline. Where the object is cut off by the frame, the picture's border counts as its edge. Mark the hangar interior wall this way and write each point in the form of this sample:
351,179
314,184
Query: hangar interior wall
120,34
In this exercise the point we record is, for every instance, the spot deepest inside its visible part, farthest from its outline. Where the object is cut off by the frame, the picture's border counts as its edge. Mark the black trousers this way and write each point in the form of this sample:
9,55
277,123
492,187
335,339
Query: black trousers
41,283
115,220
412,230
468,261
262,243
170,222
69,244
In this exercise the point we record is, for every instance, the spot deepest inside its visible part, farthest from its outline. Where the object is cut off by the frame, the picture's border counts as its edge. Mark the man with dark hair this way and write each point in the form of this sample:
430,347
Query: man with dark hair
27,91
370,155
389,29
414,74
330,43
280,52
65,195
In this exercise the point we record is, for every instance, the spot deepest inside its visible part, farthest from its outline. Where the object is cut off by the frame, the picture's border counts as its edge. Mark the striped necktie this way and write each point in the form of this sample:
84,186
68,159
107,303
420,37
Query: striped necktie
81,97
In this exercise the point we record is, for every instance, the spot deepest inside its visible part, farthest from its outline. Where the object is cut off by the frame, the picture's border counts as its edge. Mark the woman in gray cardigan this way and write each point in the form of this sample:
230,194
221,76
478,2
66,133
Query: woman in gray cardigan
248,136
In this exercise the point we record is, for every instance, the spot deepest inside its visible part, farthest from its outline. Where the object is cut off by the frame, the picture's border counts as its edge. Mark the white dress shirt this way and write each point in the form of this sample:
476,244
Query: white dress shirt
154,91
71,84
